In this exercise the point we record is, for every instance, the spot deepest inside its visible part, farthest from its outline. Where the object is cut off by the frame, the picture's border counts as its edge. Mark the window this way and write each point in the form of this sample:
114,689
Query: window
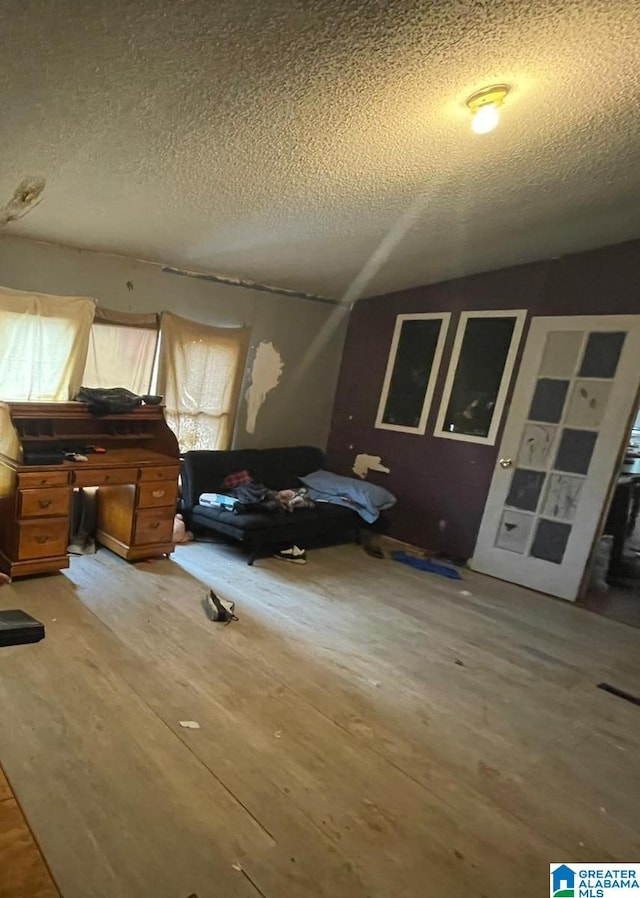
43,345
200,375
412,368
122,350
482,361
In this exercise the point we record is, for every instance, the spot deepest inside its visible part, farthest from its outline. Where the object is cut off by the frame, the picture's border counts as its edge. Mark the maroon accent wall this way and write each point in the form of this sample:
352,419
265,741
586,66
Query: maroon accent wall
438,480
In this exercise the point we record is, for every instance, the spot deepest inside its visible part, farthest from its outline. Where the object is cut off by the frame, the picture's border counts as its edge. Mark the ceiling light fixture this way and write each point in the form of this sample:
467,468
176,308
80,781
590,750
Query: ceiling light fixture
484,105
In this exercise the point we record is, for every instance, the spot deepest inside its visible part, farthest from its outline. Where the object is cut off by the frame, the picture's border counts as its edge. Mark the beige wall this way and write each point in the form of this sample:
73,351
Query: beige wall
307,335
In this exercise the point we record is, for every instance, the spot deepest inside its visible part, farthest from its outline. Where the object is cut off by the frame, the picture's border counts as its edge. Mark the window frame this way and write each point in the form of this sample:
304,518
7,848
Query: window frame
520,316
444,318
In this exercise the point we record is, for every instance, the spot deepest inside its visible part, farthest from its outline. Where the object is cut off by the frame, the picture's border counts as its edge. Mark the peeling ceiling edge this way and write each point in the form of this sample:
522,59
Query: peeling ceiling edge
225,280
249,285
229,281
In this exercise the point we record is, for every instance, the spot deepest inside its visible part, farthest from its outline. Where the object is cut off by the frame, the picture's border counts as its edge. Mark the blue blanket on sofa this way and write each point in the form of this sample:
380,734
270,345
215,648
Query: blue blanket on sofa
366,499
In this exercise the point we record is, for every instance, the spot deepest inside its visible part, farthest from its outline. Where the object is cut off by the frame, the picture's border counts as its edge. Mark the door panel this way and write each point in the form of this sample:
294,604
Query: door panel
576,389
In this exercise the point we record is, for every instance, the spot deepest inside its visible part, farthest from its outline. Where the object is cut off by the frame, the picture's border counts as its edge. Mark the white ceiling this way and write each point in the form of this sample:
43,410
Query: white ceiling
291,141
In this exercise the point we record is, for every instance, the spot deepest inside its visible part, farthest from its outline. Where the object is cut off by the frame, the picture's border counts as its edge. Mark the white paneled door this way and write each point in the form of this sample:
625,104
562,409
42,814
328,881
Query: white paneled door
576,390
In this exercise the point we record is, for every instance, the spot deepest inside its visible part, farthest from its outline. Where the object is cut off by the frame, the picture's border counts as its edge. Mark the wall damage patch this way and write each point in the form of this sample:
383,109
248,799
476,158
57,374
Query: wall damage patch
26,196
365,463
265,375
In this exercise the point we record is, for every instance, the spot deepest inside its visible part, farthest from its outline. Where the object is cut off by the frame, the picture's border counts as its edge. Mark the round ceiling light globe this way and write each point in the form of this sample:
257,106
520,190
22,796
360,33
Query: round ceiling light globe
485,119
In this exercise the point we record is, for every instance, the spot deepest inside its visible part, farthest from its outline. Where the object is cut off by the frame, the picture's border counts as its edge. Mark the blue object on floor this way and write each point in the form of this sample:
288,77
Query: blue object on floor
425,564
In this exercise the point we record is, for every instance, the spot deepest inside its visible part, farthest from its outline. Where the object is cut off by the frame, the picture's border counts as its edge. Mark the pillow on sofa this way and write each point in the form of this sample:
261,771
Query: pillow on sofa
367,499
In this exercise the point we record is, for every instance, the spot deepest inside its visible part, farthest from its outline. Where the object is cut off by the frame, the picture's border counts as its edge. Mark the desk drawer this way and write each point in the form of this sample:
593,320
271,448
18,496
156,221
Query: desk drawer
44,503
55,478
43,539
157,494
165,472
153,525
104,476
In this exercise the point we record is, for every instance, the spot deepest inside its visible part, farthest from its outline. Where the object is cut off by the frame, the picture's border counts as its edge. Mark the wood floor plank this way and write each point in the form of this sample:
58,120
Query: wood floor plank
349,793
364,729
110,792
488,748
445,740
5,791
23,873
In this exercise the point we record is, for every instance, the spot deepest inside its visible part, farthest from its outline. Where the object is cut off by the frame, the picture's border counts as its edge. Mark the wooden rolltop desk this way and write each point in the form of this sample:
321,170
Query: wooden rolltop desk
137,477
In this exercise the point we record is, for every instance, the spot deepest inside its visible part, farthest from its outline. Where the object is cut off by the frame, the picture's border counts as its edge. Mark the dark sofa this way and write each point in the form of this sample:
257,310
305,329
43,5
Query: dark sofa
203,472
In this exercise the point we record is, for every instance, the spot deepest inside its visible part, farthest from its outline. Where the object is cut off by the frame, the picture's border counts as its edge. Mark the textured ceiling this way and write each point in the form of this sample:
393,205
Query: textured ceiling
295,142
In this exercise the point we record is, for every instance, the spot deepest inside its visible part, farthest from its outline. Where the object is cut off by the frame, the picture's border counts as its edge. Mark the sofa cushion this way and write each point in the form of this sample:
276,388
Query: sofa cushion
203,471
302,527
301,517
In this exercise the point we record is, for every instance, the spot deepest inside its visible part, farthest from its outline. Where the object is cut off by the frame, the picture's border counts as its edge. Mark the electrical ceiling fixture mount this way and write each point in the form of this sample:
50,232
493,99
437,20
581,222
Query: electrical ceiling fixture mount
484,105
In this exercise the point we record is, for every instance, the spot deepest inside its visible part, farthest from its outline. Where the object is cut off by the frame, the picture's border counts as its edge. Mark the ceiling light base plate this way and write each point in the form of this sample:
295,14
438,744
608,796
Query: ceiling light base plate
494,95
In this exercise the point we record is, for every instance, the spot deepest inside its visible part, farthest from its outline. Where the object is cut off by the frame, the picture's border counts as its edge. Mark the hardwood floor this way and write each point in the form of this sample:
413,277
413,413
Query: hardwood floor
23,872
365,730
617,603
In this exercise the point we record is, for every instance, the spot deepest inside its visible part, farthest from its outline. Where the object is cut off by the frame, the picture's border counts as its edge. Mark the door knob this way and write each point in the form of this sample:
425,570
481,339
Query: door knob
506,462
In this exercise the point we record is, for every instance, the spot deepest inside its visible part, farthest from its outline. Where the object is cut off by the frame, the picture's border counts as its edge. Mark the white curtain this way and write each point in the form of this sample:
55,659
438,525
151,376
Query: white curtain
122,350
43,345
200,375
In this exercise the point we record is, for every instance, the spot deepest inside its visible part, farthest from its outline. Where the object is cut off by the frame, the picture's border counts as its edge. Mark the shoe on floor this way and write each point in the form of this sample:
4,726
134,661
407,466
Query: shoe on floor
218,609
293,555
82,547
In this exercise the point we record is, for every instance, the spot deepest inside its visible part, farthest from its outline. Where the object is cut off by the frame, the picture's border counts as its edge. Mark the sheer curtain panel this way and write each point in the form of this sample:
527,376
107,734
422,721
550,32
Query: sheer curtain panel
200,375
122,350
43,345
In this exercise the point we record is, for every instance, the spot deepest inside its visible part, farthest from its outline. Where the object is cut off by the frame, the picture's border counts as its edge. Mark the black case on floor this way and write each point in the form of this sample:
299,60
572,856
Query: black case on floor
17,628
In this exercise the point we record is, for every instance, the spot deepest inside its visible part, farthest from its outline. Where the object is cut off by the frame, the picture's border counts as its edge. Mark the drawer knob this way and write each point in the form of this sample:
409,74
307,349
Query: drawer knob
157,494
107,477
44,503
155,525
41,539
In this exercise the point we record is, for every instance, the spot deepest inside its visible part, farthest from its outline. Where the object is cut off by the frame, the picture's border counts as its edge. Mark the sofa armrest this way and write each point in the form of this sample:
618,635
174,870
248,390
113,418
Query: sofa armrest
199,474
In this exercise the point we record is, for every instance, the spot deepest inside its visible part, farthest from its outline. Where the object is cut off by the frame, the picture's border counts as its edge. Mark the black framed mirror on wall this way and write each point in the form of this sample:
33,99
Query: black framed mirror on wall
412,368
480,370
